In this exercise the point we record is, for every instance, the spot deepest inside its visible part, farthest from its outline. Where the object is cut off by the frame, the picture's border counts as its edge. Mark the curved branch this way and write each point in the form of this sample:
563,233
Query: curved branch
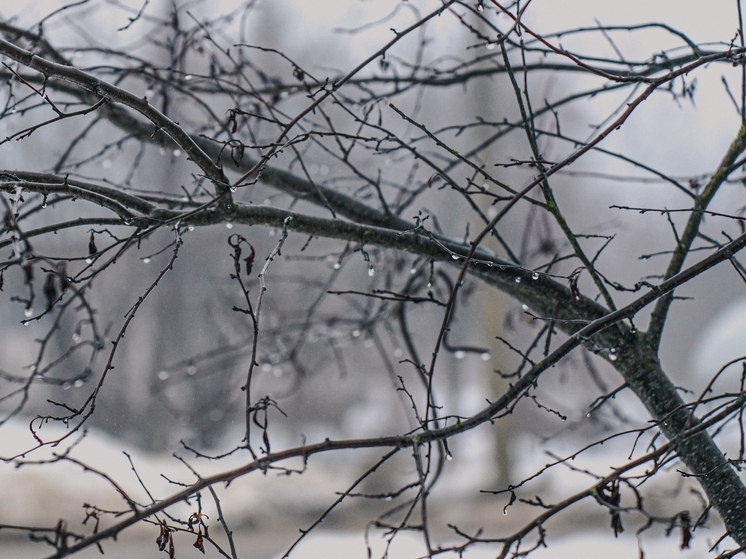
115,200
723,171
116,94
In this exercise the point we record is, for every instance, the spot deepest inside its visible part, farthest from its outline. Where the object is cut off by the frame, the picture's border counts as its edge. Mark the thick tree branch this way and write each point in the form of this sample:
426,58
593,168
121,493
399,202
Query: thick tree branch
550,292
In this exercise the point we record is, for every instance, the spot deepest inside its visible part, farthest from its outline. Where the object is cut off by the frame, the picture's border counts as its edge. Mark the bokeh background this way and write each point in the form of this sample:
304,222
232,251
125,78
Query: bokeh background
162,394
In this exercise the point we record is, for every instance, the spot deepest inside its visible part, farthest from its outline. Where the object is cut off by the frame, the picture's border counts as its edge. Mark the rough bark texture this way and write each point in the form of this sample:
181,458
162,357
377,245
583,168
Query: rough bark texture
727,494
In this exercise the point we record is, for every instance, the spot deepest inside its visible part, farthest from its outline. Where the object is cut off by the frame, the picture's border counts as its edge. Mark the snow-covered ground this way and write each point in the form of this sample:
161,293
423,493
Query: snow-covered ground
345,545
267,510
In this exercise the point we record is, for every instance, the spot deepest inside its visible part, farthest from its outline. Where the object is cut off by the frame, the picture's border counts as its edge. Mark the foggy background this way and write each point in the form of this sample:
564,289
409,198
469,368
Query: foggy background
159,394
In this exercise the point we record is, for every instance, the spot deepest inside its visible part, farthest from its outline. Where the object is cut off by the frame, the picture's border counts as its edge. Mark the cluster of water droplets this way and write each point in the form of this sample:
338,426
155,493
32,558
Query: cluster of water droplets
461,354
75,384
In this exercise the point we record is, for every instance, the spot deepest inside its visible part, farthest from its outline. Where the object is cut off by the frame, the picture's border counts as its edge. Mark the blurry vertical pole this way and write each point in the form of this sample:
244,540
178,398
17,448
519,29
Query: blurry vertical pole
492,303
165,316
133,408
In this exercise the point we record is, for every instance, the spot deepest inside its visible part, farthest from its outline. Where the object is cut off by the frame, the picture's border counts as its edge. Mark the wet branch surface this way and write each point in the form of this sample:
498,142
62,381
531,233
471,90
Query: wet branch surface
248,137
